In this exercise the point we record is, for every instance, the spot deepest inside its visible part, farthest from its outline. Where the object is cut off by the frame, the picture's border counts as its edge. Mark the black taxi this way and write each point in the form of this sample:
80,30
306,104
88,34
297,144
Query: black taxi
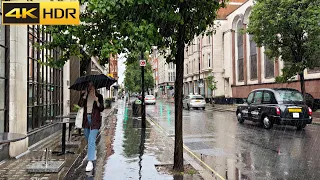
283,106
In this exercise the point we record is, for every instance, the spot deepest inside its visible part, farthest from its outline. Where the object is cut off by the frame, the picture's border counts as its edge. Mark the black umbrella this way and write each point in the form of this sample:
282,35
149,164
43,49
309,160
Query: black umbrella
99,81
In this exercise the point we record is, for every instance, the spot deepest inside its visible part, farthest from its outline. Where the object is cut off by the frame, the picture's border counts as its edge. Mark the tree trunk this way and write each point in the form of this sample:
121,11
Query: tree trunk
178,93
303,88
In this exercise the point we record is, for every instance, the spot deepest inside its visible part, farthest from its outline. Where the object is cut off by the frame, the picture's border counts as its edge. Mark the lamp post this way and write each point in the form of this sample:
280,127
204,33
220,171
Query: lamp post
199,81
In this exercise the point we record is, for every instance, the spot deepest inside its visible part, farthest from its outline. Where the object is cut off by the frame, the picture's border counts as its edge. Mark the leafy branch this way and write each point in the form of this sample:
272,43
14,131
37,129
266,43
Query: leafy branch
212,84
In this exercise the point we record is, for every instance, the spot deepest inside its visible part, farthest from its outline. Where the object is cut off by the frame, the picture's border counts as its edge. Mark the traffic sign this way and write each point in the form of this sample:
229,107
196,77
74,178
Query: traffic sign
143,63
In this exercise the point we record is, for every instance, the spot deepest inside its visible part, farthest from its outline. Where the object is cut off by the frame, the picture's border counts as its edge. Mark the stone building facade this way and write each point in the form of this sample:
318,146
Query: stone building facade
235,61
164,74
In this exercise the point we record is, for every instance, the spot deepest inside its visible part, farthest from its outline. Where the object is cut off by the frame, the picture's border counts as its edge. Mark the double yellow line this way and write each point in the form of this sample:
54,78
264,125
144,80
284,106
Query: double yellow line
190,152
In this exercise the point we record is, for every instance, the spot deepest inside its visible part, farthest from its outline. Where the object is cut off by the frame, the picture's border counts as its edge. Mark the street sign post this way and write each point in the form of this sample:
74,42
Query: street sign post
143,111
143,63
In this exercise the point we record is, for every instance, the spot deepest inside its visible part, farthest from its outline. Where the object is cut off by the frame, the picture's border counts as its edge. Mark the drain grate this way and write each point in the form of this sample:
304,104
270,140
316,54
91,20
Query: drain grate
197,145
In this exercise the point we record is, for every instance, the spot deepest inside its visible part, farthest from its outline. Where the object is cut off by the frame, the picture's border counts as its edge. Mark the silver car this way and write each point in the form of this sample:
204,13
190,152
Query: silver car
150,99
194,101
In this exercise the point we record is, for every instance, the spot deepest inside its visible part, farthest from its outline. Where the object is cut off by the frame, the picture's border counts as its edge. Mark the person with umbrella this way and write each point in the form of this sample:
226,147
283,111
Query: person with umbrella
92,103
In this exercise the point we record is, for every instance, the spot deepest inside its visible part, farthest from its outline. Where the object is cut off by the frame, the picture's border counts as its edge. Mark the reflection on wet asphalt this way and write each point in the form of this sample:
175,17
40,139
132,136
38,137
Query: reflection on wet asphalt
131,158
245,151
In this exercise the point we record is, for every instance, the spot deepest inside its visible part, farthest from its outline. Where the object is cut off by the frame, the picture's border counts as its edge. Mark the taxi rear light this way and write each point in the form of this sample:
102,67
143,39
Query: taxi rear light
278,111
309,111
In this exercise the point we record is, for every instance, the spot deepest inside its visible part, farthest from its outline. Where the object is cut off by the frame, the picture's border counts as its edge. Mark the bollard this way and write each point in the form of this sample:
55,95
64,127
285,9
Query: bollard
50,154
46,157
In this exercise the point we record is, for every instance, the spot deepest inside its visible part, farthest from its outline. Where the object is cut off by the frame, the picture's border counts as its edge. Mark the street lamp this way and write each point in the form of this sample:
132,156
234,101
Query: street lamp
199,77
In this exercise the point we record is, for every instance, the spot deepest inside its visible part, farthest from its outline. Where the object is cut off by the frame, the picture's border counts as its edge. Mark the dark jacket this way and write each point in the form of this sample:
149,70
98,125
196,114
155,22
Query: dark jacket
95,114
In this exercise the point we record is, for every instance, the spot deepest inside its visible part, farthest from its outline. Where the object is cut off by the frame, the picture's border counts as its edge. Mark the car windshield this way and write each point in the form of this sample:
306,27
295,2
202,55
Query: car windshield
287,95
149,96
197,97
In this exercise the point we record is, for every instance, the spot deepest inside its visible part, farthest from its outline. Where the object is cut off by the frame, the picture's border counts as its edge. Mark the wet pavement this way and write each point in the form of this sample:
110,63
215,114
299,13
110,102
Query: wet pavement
137,150
245,151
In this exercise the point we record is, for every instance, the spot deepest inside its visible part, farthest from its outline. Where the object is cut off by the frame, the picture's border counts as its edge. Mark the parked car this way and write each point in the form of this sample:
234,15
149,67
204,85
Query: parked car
150,99
281,106
194,101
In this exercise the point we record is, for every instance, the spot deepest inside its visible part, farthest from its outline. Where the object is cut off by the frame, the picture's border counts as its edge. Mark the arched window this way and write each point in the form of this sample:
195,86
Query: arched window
268,67
253,58
240,51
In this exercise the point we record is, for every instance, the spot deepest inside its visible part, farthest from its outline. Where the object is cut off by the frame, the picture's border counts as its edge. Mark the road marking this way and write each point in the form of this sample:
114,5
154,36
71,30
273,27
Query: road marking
188,150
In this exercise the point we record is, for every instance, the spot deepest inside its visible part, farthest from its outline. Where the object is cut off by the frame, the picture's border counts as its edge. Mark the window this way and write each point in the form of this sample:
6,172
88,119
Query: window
209,39
240,52
4,79
199,44
268,97
209,60
269,67
199,65
192,46
289,95
314,70
193,66
253,58
257,97
203,58
187,69
197,97
45,86
250,97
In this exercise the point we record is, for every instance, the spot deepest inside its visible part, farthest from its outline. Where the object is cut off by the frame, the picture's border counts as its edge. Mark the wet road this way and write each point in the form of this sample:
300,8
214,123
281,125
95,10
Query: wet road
245,151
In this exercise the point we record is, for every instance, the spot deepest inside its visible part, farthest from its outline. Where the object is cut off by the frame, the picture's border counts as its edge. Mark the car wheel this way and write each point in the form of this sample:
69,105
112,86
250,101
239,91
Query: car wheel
240,118
267,122
203,108
301,126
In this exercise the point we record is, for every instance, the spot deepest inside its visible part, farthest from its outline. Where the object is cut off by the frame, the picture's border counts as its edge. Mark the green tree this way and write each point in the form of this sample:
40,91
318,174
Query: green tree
179,21
212,84
289,29
133,26
132,78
